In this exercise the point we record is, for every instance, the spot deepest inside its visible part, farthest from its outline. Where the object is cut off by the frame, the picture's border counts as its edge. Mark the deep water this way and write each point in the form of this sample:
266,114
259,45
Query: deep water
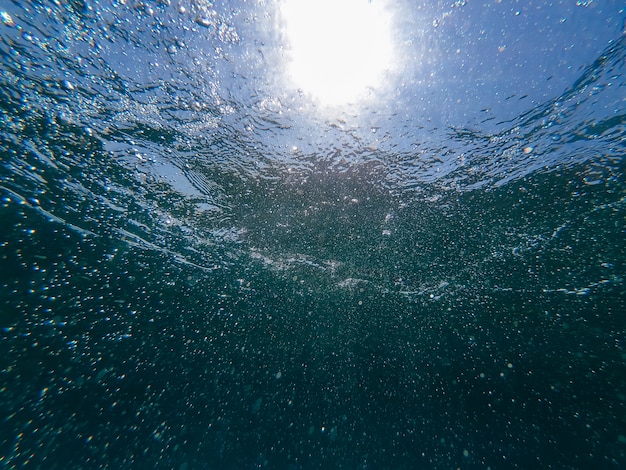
181,287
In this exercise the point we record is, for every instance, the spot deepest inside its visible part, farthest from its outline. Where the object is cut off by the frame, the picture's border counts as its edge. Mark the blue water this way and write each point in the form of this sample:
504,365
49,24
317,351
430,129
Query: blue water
200,268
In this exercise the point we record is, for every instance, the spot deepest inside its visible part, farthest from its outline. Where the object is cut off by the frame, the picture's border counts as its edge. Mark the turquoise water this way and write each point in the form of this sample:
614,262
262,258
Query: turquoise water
197,275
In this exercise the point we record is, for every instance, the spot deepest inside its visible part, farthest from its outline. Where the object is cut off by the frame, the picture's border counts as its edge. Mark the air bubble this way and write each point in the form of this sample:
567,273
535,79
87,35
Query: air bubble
6,18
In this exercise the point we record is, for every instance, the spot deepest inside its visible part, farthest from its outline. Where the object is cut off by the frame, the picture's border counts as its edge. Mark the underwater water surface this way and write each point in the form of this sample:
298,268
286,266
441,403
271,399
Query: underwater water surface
202,265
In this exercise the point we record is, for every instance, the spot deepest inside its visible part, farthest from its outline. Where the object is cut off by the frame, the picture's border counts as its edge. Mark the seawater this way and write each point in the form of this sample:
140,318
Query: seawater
184,284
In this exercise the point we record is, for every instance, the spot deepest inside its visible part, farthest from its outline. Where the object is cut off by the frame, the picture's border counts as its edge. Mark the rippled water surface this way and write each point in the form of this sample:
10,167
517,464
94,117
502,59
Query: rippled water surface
203,265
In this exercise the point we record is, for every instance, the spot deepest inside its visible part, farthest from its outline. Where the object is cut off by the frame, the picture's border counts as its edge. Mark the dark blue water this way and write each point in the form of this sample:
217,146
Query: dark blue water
199,269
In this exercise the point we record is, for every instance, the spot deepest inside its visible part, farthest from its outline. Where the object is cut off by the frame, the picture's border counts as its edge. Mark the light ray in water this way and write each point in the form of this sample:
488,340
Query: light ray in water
337,51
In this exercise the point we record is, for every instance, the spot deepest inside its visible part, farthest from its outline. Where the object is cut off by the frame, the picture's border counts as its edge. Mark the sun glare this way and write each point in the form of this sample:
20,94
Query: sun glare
337,49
